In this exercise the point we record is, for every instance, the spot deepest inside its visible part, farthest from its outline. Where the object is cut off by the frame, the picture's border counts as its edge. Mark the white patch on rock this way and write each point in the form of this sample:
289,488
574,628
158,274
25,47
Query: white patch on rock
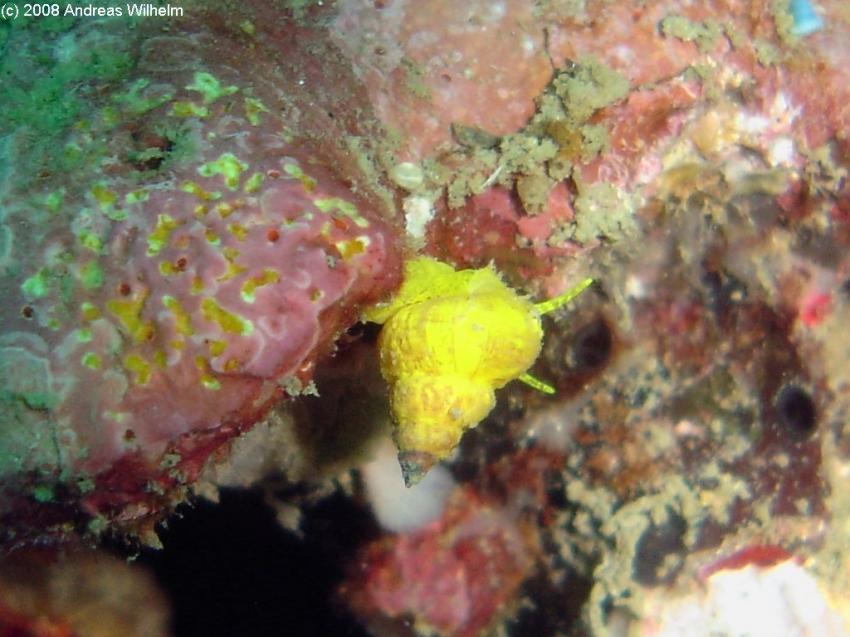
418,212
401,509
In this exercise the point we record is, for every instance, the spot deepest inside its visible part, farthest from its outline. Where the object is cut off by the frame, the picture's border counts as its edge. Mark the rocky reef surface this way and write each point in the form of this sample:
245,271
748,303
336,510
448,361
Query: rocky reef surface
196,209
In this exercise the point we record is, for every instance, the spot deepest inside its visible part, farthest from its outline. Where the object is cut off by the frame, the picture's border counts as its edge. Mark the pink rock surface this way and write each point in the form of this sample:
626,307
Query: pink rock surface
702,391
181,279
455,576
428,64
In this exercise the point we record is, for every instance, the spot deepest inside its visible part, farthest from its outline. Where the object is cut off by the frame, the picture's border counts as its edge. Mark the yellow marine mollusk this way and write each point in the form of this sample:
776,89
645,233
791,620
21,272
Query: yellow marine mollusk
450,338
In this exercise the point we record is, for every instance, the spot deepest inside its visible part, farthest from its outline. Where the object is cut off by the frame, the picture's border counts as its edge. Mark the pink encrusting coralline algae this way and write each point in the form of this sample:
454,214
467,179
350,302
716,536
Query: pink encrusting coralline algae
151,315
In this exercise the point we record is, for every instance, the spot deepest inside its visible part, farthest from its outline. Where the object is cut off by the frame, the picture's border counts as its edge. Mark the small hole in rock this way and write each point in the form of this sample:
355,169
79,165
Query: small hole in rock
796,409
592,345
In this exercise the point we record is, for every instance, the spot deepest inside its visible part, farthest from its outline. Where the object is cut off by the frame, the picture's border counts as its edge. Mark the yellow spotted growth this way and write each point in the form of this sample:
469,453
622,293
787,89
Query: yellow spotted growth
450,339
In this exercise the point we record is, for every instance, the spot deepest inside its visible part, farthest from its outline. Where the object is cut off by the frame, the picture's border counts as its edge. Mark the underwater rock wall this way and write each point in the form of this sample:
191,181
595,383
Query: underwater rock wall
176,256
192,218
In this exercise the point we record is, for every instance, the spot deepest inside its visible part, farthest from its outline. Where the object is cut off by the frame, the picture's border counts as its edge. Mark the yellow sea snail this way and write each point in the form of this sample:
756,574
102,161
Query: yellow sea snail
450,338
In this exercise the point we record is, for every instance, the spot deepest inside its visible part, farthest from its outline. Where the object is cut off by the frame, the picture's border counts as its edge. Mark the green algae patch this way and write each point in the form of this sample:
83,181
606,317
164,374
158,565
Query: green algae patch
253,183
533,160
518,155
140,97
249,288
588,87
533,191
52,84
90,241
602,211
374,161
104,197
185,108
330,205
228,166
254,110
177,147
479,172
705,34
784,21
43,493
38,285
414,79
766,53
228,322
209,87
91,360
129,314
524,153
139,366
91,275
158,239
53,202
45,99
27,437
182,318
594,141
35,400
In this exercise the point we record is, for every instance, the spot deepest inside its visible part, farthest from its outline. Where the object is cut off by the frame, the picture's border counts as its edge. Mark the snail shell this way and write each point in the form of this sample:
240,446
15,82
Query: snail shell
450,339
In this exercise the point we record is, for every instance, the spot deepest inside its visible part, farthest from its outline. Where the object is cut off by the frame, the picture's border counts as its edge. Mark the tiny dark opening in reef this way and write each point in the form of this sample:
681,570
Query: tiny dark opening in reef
796,410
592,345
